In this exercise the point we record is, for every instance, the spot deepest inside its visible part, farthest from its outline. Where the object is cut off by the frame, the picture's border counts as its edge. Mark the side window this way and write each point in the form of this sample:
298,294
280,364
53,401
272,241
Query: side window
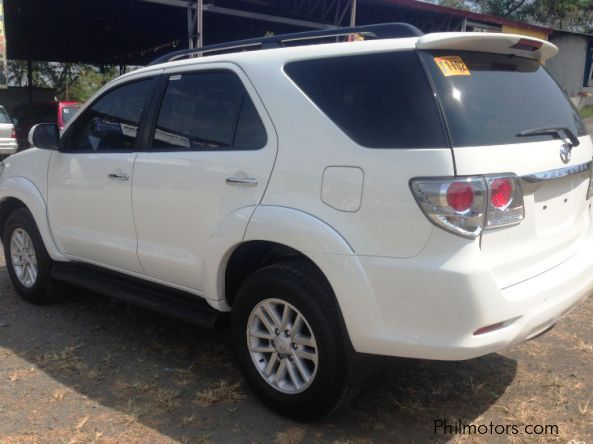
380,100
111,123
208,111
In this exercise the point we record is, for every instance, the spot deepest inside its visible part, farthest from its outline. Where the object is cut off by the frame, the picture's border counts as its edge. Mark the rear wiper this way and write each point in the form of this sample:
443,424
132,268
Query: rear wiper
574,141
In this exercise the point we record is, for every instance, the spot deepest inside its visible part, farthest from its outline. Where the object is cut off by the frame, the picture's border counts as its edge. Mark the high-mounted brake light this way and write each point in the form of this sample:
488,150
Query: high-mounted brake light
527,45
467,205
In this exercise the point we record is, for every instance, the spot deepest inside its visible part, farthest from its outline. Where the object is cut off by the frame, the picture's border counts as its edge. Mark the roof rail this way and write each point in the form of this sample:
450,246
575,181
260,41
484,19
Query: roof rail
379,31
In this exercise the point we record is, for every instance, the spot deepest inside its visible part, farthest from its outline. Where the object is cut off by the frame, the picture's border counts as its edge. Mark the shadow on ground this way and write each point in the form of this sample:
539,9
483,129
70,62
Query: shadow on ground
139,368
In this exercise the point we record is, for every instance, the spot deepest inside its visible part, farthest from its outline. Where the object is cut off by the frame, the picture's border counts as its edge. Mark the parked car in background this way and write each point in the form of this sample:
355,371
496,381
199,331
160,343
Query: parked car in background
8,143
30,114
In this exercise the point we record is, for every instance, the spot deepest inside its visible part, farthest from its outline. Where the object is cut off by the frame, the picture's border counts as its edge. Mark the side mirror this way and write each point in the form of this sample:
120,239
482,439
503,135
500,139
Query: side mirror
45,136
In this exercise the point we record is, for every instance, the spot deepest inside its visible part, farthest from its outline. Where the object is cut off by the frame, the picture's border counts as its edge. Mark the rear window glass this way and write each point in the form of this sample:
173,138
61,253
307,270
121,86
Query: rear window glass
379,100
68,112
498,97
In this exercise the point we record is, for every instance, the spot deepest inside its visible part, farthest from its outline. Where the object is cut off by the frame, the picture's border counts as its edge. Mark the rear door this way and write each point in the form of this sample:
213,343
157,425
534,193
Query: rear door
207,165
488,99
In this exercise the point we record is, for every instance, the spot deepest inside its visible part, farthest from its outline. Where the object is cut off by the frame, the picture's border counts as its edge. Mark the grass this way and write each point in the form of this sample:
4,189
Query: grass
586,112
221,393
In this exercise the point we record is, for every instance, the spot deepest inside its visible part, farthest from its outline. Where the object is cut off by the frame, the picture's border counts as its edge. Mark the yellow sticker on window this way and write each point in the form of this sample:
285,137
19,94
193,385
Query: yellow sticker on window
452,66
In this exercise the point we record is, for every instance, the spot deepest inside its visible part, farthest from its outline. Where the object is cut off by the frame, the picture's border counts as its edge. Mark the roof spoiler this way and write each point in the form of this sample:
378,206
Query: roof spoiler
500,43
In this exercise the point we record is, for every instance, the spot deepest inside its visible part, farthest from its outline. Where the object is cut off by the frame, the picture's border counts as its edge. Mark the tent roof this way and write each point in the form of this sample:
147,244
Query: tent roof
134,32
131,32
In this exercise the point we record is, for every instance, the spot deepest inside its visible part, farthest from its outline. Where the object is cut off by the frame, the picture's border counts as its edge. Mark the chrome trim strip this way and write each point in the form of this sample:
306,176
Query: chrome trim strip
556,174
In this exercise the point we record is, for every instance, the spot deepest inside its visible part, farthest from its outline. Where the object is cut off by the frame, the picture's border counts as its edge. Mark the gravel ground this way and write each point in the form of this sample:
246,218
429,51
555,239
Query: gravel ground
94,370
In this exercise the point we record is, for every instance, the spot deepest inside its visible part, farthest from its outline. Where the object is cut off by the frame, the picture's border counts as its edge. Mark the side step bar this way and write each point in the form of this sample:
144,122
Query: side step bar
177,304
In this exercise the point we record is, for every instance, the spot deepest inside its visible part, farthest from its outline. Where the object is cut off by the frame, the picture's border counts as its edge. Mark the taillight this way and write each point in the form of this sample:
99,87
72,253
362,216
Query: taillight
505,202
468,205
460,196
13,134
456,204
501,192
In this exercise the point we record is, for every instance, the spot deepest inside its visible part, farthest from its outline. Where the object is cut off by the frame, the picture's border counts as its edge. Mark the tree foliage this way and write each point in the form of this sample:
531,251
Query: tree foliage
71,81
569,15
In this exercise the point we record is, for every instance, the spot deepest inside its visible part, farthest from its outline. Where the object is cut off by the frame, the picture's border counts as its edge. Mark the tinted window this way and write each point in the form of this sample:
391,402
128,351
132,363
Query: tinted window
502,96
379,100
111,123
208,111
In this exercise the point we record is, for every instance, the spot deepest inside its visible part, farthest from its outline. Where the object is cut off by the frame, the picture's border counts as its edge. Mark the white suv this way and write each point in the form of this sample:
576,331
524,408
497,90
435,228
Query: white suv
425,196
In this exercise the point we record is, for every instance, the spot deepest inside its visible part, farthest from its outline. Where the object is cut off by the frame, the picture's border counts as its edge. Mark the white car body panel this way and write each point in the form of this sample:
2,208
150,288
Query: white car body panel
557,216
297,182
90,213
24,177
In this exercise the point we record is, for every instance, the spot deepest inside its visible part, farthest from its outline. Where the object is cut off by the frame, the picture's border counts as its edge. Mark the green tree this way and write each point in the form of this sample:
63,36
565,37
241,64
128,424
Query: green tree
88,82
568,15
70,81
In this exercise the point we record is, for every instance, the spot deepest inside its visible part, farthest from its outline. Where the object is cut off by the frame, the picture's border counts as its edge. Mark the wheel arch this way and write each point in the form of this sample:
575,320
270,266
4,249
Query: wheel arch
18,192
253,255
277,234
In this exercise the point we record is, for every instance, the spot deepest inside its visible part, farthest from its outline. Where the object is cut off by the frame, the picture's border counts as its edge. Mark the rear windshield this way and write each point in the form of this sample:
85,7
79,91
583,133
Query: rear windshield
68,112
380,100
489,98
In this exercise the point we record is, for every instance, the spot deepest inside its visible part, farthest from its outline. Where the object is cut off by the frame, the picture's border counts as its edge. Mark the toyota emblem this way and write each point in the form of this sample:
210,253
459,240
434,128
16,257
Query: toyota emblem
565,152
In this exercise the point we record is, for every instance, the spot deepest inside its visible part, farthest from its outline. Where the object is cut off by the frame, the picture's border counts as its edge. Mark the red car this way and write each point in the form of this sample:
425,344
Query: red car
27,115
65,112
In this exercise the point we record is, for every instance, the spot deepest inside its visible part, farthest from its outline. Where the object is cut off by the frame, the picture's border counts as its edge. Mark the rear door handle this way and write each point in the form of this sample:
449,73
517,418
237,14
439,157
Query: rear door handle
246,181
118,175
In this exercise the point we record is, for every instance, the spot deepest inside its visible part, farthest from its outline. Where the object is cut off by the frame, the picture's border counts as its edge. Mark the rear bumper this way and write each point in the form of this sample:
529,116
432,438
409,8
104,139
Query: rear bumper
8,146
430,306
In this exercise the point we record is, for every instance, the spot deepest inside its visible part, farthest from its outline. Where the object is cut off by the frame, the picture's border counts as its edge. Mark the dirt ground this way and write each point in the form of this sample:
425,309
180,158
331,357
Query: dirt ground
95,370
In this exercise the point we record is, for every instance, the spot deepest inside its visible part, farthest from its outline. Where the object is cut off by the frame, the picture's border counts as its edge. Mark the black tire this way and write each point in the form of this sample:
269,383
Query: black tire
299,284
43,290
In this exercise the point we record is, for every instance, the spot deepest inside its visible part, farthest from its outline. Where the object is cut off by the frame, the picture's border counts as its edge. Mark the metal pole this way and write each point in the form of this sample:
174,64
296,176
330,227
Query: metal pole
190,27
200,22
353,14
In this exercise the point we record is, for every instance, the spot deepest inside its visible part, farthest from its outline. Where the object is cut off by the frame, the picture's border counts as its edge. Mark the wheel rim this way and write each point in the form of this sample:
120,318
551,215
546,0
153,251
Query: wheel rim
24,261
282,346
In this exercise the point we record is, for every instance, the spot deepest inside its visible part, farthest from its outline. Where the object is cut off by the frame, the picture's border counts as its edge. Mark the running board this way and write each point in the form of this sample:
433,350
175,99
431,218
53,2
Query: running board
174,303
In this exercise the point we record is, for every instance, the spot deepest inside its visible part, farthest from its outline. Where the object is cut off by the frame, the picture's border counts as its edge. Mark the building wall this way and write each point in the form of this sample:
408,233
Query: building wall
568,66
507,29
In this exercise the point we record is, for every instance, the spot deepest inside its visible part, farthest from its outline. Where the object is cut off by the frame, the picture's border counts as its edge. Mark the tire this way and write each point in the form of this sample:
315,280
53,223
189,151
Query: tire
40,289
296,285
